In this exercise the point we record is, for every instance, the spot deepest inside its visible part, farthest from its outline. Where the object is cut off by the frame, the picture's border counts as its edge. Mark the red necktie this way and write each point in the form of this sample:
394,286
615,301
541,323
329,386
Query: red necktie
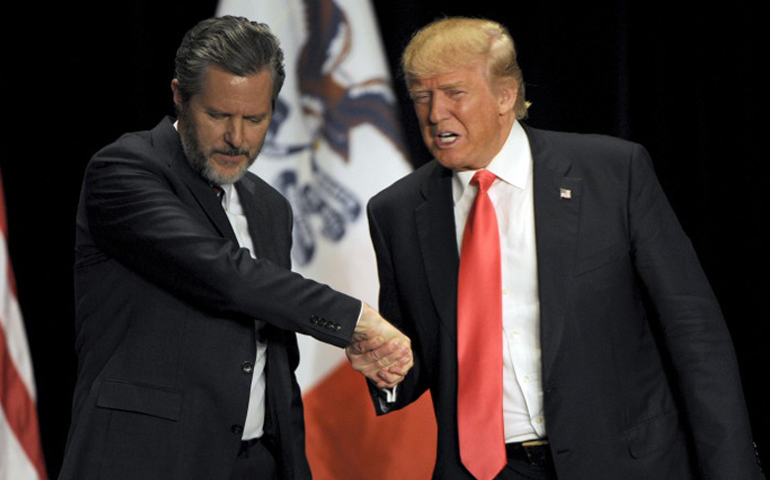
480,339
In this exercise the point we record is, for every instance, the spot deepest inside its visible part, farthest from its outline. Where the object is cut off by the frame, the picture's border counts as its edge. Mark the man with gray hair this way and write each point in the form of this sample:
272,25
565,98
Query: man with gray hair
186,305
559,315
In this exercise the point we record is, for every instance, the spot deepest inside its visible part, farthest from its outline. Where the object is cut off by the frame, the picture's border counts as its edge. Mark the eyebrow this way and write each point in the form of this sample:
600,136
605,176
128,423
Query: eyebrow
216,111
443,87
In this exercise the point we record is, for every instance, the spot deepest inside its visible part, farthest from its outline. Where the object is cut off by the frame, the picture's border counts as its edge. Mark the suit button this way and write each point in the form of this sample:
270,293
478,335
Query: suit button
313,319
237,429
247,367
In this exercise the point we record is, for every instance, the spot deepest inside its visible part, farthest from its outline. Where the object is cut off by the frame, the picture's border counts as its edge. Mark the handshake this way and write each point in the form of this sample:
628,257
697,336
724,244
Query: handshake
379,350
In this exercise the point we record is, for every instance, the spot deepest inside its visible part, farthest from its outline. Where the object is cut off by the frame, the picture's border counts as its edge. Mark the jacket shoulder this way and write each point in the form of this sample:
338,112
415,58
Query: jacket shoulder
159,146
407,188
588,155
588,143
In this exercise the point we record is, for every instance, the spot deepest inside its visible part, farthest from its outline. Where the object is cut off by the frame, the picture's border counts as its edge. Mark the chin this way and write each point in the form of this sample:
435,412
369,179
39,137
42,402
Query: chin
220,177
449,161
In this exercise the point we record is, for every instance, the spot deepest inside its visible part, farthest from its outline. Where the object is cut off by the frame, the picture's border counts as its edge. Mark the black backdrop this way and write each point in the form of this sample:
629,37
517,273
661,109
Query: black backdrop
684,82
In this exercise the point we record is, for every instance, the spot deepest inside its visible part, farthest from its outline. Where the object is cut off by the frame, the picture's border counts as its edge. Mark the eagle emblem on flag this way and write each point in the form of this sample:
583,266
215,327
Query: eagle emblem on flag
332,105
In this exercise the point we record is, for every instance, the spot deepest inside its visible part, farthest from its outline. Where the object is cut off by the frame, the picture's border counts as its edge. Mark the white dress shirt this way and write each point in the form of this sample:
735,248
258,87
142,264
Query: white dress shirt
511,195
255,415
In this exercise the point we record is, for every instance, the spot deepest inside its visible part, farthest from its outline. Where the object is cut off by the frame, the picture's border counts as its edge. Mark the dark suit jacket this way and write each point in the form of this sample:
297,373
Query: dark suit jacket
639,375
166,303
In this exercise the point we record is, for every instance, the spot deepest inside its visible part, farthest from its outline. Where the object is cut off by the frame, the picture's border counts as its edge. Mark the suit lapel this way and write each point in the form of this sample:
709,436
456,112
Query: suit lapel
212,206
259,221
438,243
557,208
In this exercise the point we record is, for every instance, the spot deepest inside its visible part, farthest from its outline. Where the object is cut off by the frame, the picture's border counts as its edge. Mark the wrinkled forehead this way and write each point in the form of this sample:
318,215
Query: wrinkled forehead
458,77
428,68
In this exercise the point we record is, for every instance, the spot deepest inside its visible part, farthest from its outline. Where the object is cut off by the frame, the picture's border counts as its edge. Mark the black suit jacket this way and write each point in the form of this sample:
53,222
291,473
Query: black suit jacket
166,305
639,375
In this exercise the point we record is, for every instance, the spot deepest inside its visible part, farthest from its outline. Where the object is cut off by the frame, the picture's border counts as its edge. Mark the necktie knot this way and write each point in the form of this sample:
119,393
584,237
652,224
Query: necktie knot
484,179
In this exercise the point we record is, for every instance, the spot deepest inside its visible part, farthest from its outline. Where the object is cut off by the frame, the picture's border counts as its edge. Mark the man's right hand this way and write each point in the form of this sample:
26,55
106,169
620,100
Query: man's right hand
379,350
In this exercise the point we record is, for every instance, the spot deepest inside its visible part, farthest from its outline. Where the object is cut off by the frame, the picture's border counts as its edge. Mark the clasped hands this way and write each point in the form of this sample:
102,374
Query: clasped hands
379,350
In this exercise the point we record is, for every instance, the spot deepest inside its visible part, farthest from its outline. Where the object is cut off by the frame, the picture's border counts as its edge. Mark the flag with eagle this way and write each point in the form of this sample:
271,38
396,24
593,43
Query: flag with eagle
334,142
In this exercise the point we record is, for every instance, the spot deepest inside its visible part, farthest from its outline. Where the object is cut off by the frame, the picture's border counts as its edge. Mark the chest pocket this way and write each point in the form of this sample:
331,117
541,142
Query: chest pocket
140,398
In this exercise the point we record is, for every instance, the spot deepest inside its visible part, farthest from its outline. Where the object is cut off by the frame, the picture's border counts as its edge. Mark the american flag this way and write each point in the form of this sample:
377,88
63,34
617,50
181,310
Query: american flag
21,456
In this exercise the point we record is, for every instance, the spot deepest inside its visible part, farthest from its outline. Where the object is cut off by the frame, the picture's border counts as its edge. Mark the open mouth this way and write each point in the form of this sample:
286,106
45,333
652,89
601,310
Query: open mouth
446,138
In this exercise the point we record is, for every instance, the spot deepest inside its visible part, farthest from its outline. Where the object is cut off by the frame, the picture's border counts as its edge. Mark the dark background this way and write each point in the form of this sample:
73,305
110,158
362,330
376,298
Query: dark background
684,82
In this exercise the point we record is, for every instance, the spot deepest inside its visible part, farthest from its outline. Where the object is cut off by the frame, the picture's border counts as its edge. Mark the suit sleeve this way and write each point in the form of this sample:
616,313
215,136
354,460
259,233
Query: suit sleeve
135,215
693,330
414,385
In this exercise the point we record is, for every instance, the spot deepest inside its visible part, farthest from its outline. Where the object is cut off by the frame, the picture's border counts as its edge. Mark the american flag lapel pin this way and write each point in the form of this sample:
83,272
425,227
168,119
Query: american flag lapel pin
565,193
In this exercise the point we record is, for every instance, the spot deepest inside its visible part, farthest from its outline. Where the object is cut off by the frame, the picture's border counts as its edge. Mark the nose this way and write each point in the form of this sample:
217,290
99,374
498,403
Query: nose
234,133
438,110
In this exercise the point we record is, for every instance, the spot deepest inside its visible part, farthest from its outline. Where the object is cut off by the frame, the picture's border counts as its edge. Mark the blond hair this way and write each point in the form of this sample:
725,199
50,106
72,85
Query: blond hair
446,43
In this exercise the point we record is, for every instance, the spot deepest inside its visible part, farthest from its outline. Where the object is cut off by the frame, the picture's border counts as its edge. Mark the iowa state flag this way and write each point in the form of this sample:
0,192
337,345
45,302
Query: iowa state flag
333,143
21,457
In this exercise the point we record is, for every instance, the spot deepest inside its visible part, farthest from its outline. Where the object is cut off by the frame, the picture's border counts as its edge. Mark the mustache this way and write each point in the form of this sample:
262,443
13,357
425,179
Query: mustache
233,152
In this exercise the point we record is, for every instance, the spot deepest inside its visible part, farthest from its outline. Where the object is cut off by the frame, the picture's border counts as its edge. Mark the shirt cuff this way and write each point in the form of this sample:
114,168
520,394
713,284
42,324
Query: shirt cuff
360,312
389,395
386,399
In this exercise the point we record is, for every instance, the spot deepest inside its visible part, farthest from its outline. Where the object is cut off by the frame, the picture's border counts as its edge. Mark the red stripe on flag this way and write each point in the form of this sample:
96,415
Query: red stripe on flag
19,408
347,441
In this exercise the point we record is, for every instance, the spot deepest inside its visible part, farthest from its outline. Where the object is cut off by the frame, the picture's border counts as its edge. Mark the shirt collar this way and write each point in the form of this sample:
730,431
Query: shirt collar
512,164
229,193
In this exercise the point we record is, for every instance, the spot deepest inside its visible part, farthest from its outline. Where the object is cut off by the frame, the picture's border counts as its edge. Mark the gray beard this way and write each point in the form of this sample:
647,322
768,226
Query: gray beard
198,159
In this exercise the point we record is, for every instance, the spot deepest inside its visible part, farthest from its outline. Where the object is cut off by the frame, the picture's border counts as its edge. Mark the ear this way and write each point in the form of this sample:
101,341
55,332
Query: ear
177,94
506,97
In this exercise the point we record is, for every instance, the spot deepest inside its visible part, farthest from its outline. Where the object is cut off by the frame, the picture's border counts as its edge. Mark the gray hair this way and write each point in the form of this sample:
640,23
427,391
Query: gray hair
235,44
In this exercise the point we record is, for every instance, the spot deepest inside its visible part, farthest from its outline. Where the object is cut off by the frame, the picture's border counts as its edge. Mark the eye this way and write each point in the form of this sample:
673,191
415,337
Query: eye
455,93
421,97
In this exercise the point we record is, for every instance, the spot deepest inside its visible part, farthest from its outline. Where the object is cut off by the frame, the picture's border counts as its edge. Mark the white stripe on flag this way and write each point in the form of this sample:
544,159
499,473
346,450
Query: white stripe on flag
14,463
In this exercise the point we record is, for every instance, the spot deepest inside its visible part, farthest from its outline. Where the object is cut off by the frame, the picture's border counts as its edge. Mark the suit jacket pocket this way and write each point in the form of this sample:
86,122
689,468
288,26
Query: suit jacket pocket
140,398
653,434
